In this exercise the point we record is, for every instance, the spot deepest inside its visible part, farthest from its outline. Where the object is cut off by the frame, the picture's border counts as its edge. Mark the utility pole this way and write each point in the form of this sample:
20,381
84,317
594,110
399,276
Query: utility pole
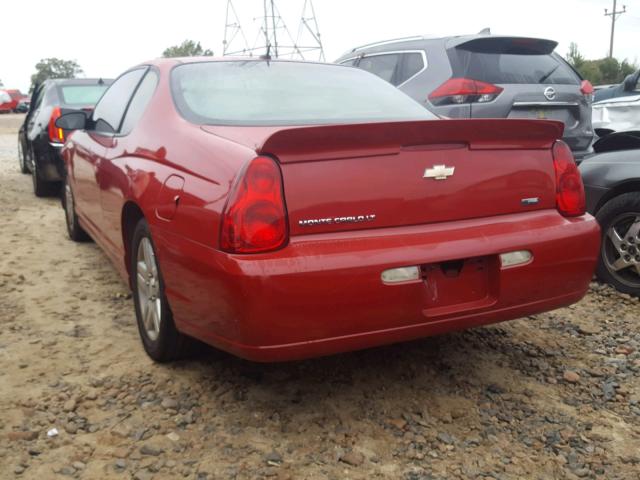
273,36
613,14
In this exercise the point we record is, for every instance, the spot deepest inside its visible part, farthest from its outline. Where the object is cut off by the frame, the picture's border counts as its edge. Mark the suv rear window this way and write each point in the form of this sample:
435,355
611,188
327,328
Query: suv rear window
505,68
256,92
82,94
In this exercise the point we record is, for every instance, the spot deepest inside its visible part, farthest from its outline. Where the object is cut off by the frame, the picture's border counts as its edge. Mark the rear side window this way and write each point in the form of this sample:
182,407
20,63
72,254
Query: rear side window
506,68
383,66
81,94
412,63
110,109
139,102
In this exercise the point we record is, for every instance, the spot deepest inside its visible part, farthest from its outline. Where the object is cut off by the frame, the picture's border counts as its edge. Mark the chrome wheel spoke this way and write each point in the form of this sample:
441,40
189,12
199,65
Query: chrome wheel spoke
156,315
615,238
634,229
143,287
620,264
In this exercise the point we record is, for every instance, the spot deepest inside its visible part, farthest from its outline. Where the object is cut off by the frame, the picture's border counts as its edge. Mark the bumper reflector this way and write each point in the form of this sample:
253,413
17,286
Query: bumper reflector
513,259
400,275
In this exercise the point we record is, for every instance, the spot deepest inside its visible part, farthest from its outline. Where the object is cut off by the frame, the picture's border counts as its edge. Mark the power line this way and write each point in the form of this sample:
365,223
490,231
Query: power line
273,35
614,14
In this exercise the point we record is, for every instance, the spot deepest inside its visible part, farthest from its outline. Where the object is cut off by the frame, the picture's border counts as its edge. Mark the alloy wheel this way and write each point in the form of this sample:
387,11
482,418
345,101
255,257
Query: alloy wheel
69,207
148,286
621,249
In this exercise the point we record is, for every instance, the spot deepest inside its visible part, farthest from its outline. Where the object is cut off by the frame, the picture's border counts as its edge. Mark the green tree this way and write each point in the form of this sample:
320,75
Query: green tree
601,71
574,57
188,48
54,68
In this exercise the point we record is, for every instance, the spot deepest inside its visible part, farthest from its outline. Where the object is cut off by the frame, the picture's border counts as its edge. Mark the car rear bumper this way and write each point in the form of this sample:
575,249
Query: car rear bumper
323,294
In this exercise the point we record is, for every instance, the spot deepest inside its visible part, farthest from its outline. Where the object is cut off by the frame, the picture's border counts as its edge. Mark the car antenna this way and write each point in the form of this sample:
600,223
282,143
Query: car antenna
485,31
100,81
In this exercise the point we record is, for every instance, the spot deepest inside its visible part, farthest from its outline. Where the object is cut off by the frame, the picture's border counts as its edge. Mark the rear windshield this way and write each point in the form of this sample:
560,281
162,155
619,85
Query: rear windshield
507,68
286,93
82,94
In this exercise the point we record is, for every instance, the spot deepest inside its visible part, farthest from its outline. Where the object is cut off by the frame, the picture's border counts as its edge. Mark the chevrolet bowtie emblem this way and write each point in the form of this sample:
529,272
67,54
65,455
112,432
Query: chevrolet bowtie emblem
439,172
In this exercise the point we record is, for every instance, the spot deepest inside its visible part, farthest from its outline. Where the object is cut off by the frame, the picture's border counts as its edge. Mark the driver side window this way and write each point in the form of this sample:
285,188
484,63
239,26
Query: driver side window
107,116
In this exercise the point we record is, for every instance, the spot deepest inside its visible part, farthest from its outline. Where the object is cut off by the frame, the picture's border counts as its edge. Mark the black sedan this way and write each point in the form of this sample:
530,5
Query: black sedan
612,185
40,141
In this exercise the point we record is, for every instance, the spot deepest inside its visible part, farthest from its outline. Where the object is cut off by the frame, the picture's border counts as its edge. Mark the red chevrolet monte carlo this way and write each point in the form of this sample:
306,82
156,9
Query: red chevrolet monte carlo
282,210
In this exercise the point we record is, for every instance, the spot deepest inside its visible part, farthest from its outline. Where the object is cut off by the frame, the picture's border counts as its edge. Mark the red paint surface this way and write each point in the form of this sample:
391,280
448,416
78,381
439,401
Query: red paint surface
322,292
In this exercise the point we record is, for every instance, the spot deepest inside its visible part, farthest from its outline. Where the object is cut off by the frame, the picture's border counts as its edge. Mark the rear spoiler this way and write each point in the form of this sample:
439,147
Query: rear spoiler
367,139
500,44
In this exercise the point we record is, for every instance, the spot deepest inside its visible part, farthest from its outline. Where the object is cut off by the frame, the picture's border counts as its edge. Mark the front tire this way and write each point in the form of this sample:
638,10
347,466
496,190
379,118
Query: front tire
160,338
75,231
619,262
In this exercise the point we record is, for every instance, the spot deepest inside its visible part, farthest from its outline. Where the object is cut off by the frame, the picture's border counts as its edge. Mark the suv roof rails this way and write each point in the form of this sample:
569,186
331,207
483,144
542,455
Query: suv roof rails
394,40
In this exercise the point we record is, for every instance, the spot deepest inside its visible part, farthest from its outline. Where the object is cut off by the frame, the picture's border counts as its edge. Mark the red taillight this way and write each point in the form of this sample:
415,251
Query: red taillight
587,89
255,218
464,90
570,199
56,134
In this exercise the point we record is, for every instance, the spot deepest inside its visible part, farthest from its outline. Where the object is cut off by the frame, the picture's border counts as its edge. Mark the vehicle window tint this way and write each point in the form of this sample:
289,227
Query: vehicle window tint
412,63
110,109
505,68
253,92
82,94
383,66
139,102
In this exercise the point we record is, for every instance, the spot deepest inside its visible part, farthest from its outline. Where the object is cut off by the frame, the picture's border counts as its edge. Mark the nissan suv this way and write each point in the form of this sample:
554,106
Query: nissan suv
486,76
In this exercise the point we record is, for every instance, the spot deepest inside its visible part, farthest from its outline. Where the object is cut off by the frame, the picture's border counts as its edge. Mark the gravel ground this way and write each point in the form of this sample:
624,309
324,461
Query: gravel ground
551,396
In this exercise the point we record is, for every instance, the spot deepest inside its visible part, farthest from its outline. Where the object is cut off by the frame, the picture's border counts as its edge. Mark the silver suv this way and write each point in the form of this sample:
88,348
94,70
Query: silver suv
485,76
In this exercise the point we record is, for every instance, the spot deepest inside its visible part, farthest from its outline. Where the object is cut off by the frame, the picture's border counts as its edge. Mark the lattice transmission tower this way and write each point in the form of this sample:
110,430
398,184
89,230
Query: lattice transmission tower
272,36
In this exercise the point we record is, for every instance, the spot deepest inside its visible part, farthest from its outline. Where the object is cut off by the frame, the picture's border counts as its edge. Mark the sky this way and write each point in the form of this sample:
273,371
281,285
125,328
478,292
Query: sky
108,37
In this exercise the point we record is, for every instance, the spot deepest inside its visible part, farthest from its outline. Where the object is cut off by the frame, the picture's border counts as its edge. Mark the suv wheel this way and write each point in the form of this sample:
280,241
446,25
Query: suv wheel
619,262
160,338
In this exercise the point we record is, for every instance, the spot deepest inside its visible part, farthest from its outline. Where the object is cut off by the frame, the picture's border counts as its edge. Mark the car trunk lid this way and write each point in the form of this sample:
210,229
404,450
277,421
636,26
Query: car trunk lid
358,176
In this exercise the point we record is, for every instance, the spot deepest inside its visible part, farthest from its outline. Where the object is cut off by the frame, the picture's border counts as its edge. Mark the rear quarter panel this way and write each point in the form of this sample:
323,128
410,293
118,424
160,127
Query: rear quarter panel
605,175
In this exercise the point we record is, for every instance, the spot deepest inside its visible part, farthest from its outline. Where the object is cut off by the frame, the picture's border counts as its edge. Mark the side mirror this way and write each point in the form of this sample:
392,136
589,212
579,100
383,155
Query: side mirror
72,121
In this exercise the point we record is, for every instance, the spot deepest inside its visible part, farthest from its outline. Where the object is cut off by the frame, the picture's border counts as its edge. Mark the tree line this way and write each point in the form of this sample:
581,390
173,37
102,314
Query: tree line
602,71
49,68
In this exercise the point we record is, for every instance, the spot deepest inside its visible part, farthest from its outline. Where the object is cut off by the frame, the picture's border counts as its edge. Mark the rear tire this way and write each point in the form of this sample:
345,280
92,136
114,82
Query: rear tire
42,188
160,338
619,261
75,231
21,160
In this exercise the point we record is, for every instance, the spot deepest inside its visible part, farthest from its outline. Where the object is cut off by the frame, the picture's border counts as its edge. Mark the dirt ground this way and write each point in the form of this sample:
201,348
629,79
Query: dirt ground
554,396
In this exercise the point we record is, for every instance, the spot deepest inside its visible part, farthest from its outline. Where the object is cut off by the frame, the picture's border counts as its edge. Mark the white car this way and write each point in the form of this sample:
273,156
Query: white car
617,109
